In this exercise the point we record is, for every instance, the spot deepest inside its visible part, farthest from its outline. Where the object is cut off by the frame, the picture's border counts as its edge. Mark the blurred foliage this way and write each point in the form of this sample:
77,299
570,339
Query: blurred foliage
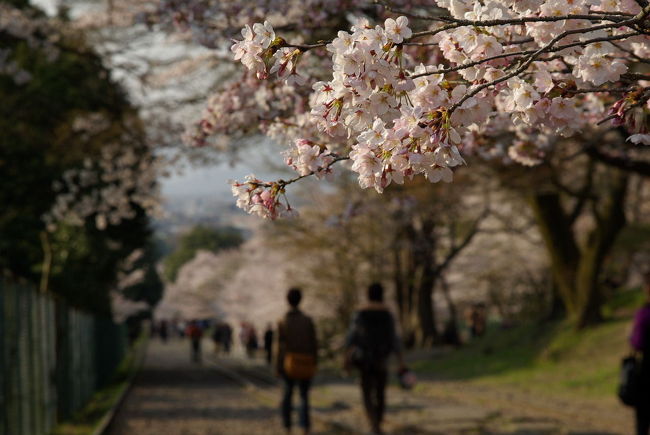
198,238
39,142
634,237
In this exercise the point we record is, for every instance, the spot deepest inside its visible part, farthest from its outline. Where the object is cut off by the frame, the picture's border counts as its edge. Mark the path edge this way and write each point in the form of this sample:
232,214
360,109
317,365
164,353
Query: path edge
109,417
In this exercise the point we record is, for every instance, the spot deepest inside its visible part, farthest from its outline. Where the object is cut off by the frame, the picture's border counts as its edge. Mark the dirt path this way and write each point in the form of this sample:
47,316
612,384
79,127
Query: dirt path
172,396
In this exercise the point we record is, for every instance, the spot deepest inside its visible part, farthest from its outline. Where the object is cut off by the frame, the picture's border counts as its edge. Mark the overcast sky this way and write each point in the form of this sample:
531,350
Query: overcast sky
263,160
202,180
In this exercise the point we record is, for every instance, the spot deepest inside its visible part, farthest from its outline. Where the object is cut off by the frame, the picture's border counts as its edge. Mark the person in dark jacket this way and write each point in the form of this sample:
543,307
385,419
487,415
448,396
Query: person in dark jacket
640,341
370,342
195,333
296,334
226,337
268,343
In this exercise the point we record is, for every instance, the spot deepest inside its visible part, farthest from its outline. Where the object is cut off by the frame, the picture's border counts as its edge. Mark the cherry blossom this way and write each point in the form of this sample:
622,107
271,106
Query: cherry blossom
409,96
108,189
262,199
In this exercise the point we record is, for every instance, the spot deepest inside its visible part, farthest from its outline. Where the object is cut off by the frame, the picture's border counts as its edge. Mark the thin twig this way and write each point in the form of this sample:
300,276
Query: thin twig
283,183
545,48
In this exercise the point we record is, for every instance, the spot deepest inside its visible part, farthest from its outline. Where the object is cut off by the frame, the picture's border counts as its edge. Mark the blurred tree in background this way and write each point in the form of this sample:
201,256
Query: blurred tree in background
200,237
60,116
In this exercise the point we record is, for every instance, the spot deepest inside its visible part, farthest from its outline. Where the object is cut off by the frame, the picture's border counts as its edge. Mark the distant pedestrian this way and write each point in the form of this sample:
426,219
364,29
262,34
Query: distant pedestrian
268,343
250,340
370,342
163,331
477,319
217,337
195,333
640,341
296,357
181,326
226,337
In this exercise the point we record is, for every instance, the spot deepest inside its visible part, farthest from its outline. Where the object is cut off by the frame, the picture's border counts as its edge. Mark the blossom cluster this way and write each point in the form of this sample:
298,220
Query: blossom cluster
308,158
241,107
24,26
262,199
633,112
107,189
401,102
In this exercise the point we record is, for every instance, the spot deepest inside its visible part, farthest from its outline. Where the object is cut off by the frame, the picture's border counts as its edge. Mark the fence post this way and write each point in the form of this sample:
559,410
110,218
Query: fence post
4,339
52,359
51,398
12,408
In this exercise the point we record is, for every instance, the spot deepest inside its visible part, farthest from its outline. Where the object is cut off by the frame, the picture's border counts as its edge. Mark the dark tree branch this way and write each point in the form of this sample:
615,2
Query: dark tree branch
454,251
627,164
584,193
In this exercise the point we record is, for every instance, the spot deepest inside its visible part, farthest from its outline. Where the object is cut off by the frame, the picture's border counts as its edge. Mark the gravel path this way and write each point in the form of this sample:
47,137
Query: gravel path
172,396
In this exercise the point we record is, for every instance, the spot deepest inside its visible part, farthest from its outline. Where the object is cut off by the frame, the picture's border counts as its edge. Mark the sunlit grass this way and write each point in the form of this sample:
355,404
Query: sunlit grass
549,356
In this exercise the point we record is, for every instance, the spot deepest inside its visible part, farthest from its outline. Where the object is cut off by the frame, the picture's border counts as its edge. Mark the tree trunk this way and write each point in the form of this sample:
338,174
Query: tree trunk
610,220
451,334
555,227
425,253
576,271
557,309
400,285
428,333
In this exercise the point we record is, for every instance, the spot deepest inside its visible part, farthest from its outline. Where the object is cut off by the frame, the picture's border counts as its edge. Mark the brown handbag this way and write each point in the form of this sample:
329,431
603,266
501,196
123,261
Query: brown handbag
299,366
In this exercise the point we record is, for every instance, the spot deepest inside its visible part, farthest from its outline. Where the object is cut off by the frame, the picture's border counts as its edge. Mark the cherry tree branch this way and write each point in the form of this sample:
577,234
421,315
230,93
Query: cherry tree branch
283,183
527,52
544,49
605,16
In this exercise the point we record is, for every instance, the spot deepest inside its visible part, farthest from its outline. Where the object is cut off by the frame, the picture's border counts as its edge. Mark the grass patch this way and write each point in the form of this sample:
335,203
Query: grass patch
547,357
85,421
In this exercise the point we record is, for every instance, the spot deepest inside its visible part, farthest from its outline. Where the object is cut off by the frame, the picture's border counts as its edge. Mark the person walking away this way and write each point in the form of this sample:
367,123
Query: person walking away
244,334
251,342
473,320
217,337
640,341
268,343
371,340
195,334
163,331
226,337
296,357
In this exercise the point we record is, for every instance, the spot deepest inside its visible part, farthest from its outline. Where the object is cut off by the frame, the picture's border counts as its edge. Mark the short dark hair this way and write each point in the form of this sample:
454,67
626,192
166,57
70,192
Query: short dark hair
294,296
376,292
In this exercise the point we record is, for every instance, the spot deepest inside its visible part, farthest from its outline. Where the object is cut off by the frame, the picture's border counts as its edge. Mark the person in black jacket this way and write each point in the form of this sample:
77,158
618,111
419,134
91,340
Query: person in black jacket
370,342
268,344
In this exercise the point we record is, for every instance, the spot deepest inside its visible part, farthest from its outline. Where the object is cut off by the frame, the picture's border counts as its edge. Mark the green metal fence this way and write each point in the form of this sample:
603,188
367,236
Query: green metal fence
52,359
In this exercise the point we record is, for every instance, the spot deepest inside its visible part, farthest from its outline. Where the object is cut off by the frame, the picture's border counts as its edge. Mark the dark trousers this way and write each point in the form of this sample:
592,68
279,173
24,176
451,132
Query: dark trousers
642,409
287,399
373,389
642,419
196,349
